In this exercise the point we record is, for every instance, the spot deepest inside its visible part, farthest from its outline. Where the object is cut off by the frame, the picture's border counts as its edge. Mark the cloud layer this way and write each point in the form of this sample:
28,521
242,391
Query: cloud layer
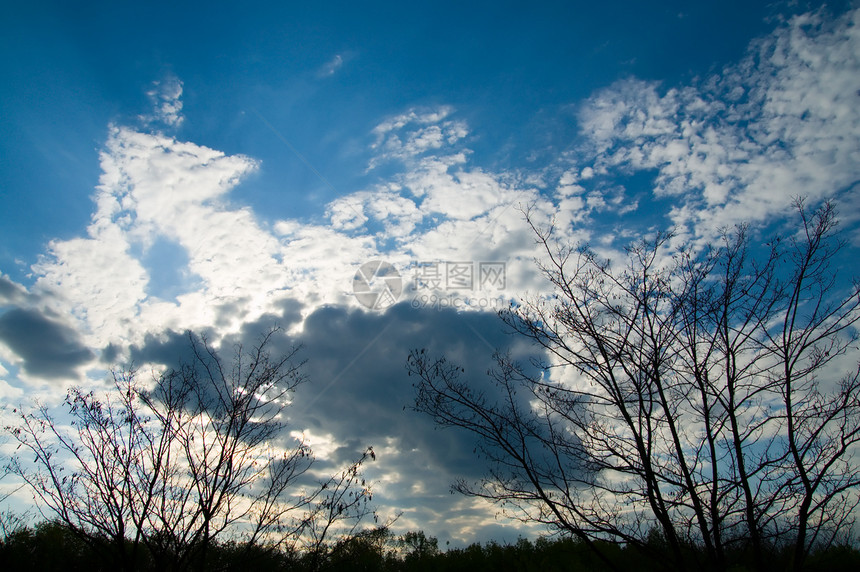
170,245
737,146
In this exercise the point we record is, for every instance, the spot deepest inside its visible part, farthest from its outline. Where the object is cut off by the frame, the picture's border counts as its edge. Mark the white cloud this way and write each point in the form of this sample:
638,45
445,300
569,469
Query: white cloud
320,263
332,66
9,393
458,195
347,213
737,146
734,147
428,131
154,186
94,279
783,122
166,99
386,205
421,117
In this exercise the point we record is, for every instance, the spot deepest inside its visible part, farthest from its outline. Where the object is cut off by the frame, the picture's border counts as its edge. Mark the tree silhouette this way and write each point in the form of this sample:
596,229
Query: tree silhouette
162,471
702,410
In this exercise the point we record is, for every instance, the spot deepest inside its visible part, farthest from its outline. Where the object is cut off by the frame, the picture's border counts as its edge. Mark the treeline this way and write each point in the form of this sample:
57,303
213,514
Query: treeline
52,546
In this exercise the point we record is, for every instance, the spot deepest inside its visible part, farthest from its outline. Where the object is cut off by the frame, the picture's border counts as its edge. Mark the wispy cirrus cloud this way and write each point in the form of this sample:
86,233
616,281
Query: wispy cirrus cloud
331,67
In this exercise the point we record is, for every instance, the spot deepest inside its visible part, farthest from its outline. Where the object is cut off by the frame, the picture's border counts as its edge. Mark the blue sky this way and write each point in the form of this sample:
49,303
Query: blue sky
224,168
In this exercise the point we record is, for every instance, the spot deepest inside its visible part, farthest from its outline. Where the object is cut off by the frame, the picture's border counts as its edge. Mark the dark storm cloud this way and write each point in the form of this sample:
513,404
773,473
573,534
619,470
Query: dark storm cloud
49,348
169,348
356,363
287,312
195,351
174,349
10,292
184,351
358,391
110,354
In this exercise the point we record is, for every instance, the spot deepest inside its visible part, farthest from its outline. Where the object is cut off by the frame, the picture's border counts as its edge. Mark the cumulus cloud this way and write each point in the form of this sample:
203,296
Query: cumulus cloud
156,190
391,207
155,187
439,207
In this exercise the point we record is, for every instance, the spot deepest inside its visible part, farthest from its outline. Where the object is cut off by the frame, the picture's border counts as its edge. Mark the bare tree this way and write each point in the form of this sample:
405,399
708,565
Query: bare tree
340,502
700,413
11,522
166,470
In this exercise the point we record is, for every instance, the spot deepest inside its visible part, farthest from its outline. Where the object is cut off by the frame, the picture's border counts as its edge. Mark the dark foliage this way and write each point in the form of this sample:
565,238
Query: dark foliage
51,546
